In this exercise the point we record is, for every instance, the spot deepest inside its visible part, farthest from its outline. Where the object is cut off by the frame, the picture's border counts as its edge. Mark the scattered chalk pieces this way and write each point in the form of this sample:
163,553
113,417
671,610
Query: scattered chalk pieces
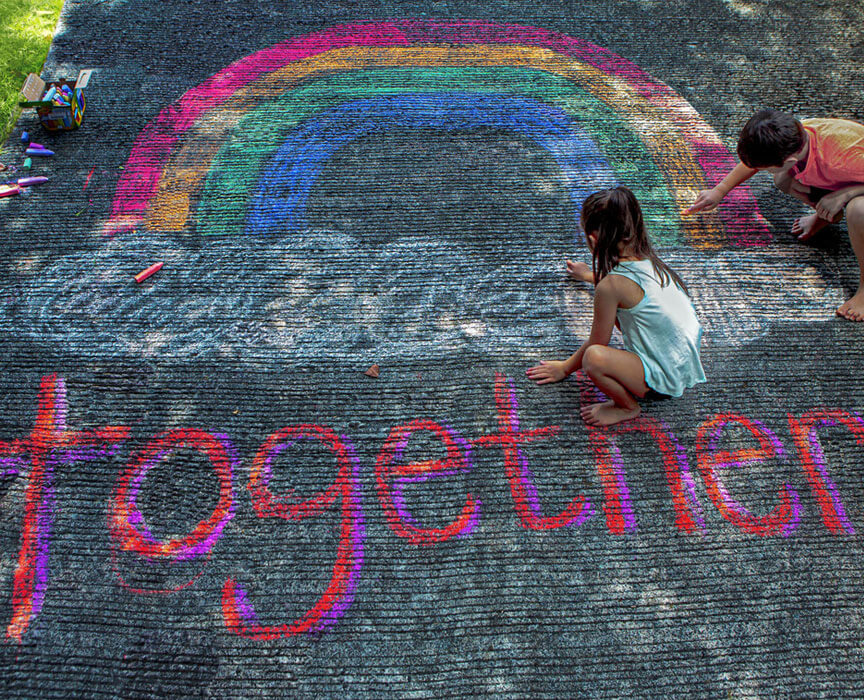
373,371
152,270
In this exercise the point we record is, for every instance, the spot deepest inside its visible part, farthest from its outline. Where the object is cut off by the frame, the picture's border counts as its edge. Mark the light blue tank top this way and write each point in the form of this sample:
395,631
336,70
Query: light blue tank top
662,329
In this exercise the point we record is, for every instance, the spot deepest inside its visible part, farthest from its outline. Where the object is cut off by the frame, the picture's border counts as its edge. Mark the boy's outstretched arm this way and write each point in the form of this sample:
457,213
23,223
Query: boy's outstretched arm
605,309
707,200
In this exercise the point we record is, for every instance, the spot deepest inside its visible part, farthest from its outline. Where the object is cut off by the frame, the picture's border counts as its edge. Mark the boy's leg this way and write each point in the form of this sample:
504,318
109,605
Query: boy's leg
808,226
854,308
618,374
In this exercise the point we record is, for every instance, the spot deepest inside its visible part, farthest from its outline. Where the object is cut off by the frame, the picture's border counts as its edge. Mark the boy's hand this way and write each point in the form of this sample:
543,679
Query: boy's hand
706,200
547,371
580,271
831,205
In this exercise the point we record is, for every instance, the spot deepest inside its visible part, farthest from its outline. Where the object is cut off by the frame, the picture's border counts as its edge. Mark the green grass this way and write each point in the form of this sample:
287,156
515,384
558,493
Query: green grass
26,28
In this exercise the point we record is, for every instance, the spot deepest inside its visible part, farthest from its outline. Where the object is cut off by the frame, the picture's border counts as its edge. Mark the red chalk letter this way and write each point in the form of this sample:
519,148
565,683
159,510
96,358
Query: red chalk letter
129,531
805,433
711,460
522,487
392,475
49,444
237,612
618,508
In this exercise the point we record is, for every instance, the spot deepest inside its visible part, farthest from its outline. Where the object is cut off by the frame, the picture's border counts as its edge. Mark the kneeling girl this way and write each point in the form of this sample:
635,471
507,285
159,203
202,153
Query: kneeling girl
637,291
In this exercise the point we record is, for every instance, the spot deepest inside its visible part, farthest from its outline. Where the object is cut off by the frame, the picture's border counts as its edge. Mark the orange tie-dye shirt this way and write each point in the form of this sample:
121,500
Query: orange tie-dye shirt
836,157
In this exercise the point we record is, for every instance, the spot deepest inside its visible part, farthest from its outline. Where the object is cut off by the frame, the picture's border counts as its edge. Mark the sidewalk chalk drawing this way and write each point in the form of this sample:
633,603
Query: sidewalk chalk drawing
52,447
235,160
238,134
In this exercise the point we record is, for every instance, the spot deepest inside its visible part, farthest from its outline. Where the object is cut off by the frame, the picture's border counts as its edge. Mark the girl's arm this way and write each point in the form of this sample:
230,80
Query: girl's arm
605,309
707,200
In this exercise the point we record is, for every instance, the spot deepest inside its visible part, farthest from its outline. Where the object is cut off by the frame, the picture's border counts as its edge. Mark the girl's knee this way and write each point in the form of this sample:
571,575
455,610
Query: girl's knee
594,359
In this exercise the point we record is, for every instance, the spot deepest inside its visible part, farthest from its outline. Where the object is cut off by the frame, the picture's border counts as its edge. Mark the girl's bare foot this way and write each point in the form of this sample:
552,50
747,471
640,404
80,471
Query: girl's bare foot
853,310
607,413
808,226
580,271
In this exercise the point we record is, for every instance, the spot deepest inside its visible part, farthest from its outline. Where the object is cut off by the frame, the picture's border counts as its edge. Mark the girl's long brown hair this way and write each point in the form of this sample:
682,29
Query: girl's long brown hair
616,217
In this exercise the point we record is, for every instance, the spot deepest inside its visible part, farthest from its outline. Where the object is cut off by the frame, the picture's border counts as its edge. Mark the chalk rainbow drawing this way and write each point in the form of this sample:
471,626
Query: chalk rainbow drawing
240,152
235,160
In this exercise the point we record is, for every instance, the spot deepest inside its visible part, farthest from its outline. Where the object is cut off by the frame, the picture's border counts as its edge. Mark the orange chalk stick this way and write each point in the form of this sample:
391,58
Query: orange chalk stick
144,274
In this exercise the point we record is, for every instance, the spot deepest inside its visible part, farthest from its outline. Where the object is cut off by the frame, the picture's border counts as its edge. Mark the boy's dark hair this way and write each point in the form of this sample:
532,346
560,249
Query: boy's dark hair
768,138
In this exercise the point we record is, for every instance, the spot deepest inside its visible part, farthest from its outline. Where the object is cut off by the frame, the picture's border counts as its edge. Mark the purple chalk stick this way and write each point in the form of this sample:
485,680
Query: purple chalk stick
27,181
39,152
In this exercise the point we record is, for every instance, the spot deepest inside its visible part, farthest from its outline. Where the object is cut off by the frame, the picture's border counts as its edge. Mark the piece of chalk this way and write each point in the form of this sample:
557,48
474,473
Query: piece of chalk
25,137
9,190
33,144
27,163
44,152
144,274
27,181
374,371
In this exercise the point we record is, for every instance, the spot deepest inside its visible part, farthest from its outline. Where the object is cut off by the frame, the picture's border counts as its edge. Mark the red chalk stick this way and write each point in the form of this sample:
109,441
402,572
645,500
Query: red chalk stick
9,190
144,274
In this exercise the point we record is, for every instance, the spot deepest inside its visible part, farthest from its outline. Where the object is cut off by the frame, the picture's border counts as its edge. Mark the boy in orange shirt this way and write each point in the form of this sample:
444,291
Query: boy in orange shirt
820,162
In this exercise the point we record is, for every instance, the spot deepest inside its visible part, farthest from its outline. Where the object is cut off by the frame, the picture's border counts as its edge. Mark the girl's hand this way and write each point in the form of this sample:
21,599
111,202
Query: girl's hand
580,271
831,205
706,200
547,372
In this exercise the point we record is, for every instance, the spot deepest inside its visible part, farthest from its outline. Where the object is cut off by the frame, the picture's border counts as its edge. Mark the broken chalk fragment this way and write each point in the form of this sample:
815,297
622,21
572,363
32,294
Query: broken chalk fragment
144,274
373,371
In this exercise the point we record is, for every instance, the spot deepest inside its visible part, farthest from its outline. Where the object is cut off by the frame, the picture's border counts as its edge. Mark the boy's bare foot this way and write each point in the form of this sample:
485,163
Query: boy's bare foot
808,226
580,271
853,310
607,413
